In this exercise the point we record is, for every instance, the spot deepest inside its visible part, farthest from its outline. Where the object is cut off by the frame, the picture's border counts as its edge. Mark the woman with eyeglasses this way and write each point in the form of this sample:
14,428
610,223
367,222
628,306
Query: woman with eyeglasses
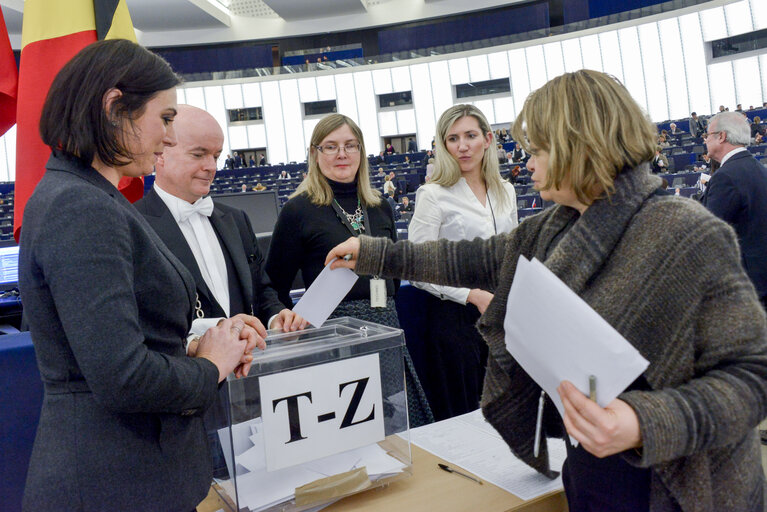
336,201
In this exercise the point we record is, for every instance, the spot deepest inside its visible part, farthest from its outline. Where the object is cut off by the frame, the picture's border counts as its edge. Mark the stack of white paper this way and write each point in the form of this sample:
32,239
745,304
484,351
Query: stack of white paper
555,335
258,489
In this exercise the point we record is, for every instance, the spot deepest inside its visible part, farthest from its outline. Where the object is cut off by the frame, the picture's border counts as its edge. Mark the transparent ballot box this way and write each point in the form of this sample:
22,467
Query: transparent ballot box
322,415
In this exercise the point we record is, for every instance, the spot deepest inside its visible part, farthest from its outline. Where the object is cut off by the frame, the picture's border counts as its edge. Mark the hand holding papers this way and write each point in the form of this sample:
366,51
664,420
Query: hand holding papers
572,343
325,294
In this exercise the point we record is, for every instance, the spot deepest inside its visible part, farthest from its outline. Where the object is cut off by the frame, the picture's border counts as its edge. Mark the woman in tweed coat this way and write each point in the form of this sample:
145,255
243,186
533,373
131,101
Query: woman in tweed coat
661,270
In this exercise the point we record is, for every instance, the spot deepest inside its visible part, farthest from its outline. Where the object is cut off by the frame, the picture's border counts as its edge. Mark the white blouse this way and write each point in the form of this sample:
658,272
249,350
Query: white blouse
455,213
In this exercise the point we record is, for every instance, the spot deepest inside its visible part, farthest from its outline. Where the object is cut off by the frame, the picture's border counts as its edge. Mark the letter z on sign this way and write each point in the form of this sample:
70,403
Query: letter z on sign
321,410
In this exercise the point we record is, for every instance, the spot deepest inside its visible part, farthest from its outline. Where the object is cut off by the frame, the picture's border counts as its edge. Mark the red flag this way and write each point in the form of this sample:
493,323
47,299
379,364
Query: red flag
9,77
52,33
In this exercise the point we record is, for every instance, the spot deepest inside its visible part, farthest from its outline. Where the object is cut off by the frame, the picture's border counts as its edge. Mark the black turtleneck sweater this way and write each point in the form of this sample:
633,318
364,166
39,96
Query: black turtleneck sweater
305,233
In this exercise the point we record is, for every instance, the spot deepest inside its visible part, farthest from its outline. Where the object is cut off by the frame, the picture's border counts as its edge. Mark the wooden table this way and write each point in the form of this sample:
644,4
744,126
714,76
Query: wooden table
430,489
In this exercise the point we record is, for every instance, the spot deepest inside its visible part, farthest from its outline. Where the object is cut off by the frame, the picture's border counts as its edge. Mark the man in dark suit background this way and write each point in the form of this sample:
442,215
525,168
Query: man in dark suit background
411,146
737,192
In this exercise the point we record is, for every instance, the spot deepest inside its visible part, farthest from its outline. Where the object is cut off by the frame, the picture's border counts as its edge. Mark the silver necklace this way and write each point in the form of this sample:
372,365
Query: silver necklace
356,218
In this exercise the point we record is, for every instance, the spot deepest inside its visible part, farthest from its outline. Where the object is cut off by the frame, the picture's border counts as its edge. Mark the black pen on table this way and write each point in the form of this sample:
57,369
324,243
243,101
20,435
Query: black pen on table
445,467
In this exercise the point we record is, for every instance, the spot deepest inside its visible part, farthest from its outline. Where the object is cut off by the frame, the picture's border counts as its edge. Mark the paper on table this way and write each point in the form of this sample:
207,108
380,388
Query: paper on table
325,294
472,444
555,335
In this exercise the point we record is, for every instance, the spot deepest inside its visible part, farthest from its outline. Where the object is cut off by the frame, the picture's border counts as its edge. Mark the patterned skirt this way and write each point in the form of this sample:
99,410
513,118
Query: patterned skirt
419,411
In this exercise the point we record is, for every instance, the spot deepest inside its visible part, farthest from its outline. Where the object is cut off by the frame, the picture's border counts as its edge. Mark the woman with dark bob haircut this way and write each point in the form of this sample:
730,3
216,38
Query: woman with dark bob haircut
663,271
109,306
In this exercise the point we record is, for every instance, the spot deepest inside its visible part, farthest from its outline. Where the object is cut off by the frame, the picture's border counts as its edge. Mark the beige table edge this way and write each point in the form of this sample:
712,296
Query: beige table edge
430,489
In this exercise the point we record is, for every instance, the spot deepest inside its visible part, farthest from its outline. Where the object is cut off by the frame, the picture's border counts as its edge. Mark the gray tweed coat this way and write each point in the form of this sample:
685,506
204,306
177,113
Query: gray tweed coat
667,275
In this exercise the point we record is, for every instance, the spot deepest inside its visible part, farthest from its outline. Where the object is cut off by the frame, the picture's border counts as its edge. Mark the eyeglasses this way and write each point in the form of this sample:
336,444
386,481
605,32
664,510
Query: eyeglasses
333,149
709,134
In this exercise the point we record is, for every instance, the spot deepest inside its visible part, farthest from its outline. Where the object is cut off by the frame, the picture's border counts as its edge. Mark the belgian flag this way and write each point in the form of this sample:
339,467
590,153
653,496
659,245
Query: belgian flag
52,33
8,80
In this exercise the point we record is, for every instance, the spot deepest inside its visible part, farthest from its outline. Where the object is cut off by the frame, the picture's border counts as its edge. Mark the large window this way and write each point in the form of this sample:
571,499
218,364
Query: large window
485,88
742,43
320,108
245,114
395,99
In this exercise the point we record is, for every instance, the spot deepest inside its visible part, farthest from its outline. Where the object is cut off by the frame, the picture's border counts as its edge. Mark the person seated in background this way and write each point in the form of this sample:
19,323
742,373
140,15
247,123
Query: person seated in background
704,163
518,154
659,161
381,172
390,149
429,154
244,187
284,175
407,161
406,205
381,158
662,141
675,130
514,174
758,139
259,187
756,127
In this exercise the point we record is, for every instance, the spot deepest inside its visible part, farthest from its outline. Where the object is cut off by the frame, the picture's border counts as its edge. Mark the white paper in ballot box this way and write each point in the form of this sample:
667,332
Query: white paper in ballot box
555,335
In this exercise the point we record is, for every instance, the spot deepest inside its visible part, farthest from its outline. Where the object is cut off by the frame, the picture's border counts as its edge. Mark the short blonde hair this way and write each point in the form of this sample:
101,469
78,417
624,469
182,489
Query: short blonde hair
592,129
447,172
316,186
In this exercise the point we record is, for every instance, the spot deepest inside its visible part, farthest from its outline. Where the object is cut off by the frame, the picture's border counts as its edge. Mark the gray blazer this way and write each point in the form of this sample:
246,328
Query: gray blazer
108,308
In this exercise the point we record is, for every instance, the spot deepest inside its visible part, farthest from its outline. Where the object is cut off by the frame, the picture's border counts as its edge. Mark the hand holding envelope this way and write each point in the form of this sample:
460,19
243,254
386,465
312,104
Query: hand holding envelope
560,354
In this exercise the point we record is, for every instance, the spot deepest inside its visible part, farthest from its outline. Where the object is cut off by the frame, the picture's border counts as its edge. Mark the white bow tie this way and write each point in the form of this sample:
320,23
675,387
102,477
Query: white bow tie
203,206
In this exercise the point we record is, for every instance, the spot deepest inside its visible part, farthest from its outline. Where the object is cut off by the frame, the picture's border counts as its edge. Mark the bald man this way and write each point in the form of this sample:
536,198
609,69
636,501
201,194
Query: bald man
215,242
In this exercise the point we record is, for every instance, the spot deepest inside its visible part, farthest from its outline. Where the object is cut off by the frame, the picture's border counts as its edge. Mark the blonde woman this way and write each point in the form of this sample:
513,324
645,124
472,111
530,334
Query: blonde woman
336,201
663,271
465,198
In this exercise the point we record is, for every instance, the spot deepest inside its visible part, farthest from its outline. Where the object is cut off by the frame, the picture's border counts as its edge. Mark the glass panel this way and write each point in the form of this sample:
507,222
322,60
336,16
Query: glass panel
520,85
738,16
459,71
251,94
763,67
591,52
256,136
195,96
181,95
238,137
652,66
382,81
478,70
214,100
536,66
611,54
307,89
504,110
712,21
722,85
275,129
486,107
423,102
555,64
347,97
673,64
571,52
388,123
366,107
748,83
695,64
233,96
4,170
326,89
759,14
309,125
400,77
499,65
294,121
10,152
406,121
441,89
